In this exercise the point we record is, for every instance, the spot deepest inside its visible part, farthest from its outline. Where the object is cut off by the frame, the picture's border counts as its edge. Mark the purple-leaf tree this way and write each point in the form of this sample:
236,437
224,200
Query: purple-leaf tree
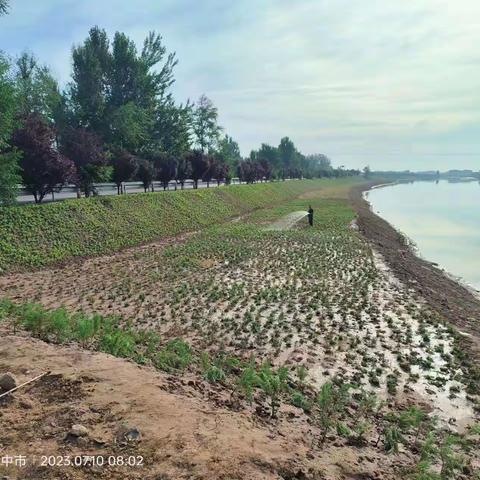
184,170
199,163
125,167
44,170
219,168
166,166
86,150
146,173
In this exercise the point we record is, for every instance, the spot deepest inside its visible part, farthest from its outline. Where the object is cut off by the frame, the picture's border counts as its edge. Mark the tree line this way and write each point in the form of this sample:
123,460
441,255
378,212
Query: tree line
117,121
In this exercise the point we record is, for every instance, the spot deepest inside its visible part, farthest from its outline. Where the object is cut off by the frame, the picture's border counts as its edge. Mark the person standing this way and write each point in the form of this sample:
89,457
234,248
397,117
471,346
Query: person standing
310,215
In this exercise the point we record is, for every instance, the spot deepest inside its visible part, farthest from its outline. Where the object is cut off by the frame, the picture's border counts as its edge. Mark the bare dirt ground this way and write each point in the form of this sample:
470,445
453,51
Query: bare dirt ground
188,428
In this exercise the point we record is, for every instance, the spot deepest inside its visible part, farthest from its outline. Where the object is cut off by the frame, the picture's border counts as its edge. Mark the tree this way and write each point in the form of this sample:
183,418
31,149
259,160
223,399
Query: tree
9,171
9,178
37,90
205,125
130,127
320,164
86,150
366,171
124,168
44,170
199,165
117,91
219,169
89,88
146,173
286,153
248,171
268,158
173,128
184,169
230,151
166,166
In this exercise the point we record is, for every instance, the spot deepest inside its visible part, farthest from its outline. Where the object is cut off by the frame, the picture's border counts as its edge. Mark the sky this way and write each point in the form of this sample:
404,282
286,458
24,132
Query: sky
389,83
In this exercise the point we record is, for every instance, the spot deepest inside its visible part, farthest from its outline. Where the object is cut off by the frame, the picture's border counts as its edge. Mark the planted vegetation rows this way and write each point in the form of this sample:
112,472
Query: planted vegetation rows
33,236
308,317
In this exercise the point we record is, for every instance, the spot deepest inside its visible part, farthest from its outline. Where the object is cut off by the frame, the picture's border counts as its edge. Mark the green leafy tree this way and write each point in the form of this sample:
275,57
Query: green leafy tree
37,90
118,91
268,157
130,127
173,128
205,126
89,88
230,152
287,157
9,170
9,177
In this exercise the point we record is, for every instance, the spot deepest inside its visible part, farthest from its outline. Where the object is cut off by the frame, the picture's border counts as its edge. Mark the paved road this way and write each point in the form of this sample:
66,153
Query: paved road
110,189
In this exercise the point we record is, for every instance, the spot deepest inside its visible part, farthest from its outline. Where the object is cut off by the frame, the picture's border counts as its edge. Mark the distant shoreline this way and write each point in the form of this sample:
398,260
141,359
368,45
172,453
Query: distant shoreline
454,301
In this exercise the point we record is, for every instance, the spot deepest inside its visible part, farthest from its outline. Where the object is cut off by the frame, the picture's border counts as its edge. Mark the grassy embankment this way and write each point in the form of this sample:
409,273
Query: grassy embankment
39,235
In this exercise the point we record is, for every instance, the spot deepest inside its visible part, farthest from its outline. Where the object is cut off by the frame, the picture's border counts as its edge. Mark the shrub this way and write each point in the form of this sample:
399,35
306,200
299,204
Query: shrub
393,437
59,324
175,356
247,382
273,383
300,401
119,343
331,403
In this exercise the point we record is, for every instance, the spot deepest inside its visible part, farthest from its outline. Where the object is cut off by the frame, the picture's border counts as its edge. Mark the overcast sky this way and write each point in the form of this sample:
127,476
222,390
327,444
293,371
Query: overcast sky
390,83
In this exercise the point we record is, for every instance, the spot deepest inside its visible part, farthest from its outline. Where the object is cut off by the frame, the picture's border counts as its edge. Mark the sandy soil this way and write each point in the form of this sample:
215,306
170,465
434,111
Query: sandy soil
188,428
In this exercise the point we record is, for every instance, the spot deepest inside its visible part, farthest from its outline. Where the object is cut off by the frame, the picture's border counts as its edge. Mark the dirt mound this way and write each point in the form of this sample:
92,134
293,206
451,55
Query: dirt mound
177,432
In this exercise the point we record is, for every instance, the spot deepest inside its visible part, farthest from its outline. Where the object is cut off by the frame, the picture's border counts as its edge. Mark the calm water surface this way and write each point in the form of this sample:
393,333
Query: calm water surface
443,220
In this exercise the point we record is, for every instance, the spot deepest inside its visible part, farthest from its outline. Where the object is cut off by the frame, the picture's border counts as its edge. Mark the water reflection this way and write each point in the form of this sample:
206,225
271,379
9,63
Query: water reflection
441,217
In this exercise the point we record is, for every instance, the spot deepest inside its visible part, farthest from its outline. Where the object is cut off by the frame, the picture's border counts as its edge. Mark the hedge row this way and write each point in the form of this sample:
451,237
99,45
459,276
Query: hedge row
39,235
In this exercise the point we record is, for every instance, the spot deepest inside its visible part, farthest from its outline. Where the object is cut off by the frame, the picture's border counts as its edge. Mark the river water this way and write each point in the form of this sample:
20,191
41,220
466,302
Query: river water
442,218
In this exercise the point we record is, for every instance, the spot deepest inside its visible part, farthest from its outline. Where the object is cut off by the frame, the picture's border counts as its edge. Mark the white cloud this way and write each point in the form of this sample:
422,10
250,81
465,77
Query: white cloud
391,82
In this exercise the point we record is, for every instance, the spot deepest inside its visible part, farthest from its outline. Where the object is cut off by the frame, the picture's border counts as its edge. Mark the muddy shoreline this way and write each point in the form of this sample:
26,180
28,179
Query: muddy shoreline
453,301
